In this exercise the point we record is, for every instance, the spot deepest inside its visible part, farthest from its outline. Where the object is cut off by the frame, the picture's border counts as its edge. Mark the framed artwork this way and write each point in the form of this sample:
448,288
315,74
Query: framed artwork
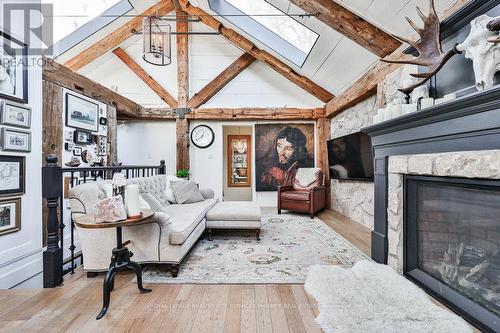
13,68
280,149
16,140
103,121
15,114
68,135
10,216
81,113
69,146
12,175
239,154
77,151
82,137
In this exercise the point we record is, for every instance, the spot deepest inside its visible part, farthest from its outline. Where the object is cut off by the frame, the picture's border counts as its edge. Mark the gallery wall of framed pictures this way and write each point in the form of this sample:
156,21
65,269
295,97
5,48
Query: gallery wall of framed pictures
85,130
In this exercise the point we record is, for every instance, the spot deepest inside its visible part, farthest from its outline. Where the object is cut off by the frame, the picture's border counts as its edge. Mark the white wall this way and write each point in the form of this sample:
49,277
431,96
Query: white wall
21,252
147,143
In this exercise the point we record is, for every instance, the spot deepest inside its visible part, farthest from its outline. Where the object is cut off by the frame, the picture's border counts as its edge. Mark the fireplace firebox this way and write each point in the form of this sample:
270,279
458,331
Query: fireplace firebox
452,243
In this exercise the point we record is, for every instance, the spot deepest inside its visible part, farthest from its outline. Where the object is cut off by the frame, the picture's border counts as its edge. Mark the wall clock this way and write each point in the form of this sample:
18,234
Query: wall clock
202,136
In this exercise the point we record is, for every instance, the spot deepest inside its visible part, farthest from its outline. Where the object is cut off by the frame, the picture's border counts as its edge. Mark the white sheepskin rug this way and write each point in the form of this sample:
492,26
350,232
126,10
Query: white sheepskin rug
370,297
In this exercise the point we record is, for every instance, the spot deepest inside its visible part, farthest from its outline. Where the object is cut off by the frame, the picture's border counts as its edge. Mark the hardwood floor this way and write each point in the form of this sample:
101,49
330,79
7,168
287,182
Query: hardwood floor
169,308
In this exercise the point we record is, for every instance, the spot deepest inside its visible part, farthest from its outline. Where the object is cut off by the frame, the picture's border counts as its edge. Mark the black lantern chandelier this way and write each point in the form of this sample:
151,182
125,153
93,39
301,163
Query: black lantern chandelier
157,46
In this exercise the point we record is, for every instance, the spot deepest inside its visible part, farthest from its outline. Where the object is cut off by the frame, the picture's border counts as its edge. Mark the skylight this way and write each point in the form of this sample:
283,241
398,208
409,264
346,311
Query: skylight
76,20
270,26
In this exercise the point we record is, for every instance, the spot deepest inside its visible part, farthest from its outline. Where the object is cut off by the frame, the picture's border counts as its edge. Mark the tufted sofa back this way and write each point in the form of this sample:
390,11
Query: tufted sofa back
155,185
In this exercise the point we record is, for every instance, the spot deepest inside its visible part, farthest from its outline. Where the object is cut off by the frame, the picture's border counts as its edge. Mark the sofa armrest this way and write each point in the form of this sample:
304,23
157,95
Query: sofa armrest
285,188
207,193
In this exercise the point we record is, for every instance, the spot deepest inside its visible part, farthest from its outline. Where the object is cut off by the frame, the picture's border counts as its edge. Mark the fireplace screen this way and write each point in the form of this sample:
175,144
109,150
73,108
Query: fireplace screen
457,229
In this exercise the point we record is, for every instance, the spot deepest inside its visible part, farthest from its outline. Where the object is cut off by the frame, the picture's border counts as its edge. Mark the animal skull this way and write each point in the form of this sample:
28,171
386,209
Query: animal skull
482,48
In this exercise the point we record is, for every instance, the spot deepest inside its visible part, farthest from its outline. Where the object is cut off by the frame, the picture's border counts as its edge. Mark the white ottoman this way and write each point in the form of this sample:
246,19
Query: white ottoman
234,215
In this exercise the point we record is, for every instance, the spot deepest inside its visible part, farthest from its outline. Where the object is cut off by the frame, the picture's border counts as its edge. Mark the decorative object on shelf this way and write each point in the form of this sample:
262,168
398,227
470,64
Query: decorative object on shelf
12,175
69,146
202,136
156,41
81,113
110,210
87,156
82,137
132,203
277,147
10,215
103,121
15,140
77,151
238,174
119,182
482,46
419,93
426,103
13,69
15,114
182,173
73,163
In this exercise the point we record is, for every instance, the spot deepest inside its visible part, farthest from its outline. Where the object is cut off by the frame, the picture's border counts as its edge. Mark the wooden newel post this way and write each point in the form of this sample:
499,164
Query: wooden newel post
163,168
53,256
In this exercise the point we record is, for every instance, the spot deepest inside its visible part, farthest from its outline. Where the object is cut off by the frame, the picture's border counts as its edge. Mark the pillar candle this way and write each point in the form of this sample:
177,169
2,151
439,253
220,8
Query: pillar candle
426,102
409,108
439,101
388,112
132,203
396,110
108,190
450,97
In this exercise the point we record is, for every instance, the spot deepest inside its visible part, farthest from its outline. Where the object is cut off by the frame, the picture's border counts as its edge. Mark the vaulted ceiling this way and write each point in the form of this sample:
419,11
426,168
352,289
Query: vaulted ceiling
335,62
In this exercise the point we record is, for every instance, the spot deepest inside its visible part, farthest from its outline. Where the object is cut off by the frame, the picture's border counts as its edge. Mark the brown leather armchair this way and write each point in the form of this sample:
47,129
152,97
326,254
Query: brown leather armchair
305,199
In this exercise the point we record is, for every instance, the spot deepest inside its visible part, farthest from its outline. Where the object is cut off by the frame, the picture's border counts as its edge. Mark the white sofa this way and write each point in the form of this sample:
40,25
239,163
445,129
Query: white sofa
167,241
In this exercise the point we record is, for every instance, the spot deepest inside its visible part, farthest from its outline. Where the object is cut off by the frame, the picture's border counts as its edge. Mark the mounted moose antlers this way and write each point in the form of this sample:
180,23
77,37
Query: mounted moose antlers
429,48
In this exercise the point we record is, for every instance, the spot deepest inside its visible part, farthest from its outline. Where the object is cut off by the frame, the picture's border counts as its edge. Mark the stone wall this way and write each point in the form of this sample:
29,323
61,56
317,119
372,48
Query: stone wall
354,199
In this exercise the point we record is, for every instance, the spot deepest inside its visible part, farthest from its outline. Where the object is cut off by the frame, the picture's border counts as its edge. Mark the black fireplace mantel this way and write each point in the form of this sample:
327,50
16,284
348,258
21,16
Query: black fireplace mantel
470,123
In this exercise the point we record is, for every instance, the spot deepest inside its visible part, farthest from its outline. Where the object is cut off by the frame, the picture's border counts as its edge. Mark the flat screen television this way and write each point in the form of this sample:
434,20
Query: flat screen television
351,157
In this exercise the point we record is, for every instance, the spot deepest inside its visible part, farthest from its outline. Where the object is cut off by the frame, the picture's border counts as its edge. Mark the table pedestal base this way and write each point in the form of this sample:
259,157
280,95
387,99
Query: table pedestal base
120,261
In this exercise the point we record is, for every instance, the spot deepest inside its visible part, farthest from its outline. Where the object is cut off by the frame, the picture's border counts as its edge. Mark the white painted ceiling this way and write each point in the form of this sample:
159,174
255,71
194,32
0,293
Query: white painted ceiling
334,63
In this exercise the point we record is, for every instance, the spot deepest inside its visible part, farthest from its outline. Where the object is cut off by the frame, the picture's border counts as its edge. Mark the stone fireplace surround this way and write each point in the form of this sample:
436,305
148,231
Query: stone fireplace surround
460,138
477,164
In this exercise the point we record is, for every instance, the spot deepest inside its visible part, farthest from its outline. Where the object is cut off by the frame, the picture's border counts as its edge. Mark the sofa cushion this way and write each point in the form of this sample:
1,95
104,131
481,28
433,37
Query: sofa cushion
295,195
186,191
155,185
84,197
234,210
185,218
207,193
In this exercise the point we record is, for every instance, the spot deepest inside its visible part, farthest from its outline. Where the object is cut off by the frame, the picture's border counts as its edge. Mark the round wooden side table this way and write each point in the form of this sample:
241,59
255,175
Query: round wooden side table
120,259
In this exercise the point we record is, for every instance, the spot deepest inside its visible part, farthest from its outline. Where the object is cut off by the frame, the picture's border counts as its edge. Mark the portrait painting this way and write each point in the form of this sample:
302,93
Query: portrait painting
280,149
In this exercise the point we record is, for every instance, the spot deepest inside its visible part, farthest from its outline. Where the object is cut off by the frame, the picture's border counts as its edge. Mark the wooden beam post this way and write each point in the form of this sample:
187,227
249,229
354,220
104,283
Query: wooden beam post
221,80
261,55
112,40
351,25
144,76
323,135
182,125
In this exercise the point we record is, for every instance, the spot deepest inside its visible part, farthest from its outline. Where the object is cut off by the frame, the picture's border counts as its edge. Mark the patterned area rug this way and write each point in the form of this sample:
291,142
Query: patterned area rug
290,243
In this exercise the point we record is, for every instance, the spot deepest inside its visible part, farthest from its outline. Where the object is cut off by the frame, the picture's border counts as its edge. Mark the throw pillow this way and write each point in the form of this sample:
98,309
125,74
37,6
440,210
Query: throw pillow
143,203
153,203
168,190
186,191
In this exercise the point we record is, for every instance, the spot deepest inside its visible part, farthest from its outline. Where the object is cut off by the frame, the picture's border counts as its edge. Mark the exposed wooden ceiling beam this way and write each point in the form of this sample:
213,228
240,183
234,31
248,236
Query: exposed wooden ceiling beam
144,76
66,78
367,84
351,25
235,114
261,55
221,80
118,36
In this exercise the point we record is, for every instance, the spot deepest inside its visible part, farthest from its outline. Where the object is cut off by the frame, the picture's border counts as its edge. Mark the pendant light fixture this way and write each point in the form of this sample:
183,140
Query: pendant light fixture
156,41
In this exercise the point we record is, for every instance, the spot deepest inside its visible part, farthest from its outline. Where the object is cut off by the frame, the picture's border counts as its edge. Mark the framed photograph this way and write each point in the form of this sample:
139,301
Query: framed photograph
82,137
81,113
16,115
12,179
103,121
10,216
13,68
68,135
15,140
77,151
69,146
